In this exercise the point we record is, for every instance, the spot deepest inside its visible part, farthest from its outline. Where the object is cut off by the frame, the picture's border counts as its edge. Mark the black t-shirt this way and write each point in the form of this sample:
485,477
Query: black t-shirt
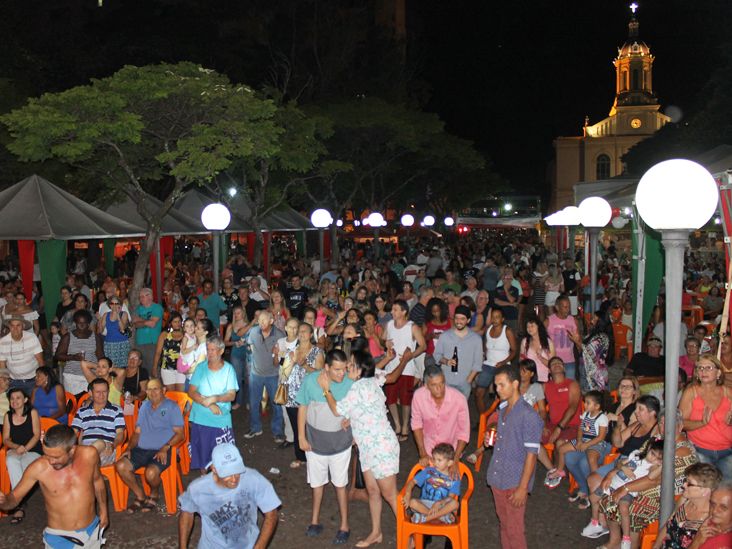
132,384
510,312
627,413
570,280
643,365
296,301
251,307
62,309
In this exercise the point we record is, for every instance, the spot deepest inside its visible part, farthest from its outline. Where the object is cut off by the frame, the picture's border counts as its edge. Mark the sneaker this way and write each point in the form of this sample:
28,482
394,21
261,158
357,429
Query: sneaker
574,497
552,482
252,434
626,544
314,530
593,531
549,475
280,440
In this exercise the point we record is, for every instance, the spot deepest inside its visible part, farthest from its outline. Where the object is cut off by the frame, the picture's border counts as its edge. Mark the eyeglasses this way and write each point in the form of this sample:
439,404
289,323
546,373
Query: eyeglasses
621,387
706,368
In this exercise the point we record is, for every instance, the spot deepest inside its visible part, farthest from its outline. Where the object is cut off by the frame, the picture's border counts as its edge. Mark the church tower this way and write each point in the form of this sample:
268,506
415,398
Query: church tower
634,116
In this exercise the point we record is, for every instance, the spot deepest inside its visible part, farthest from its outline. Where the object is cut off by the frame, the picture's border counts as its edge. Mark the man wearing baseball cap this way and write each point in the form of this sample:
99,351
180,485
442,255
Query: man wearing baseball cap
228,503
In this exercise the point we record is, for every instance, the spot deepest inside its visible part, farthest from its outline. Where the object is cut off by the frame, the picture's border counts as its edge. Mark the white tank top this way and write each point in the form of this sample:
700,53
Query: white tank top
402,338
496,348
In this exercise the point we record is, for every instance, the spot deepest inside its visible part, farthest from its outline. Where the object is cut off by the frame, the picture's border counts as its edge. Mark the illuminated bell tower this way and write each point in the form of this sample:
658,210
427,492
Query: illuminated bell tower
633,70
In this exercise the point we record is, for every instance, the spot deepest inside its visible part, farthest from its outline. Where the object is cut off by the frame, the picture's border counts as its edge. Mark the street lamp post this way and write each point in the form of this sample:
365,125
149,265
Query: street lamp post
690,197
594,214
216,217
321,219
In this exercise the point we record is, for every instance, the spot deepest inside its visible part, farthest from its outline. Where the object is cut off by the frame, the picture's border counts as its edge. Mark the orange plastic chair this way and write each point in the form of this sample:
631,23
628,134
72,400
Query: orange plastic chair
4,476
184,403
46,424
482,428
71,406
457,533
692,316
170,482
649,535
130,421
79,403
117,488
620,334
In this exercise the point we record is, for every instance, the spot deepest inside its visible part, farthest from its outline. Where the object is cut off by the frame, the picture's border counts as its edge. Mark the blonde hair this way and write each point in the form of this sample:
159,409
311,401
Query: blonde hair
714,360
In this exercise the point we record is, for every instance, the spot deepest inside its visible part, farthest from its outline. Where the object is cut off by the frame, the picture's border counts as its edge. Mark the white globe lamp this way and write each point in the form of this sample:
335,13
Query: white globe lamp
407,220
376,219
449,221
677,194
428,220
571,215
216,217
321,218
595,211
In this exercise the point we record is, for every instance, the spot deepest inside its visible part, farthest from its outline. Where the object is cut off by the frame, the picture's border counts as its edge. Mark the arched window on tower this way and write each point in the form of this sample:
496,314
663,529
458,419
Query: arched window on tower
602,170
635,80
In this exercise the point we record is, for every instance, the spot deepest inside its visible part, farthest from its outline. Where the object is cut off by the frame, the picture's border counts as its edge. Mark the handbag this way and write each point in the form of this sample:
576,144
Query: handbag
281,395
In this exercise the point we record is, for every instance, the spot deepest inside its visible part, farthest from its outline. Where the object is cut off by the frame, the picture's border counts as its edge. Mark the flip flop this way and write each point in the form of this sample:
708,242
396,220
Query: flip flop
17,519
149,505
135,506
402,437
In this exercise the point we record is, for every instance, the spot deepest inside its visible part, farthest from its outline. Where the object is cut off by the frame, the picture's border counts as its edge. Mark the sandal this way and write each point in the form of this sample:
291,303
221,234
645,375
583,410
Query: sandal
584,503
148,505
17,519
135,506
297,464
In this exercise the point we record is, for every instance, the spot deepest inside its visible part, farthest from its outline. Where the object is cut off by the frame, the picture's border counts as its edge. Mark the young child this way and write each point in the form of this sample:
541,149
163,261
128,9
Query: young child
590,439
639,464
440,492
188,346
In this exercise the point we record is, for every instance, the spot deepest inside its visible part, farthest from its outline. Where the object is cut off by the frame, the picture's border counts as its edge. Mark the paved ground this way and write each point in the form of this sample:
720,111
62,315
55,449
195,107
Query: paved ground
551,520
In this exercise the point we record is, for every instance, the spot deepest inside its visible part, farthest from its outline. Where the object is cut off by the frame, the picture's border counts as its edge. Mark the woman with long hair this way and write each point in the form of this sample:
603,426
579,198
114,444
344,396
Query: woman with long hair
707,410
307,357
279,310
49,397
596,350
167,352
106,369
236,340
22,438
436,323
537,346
365,407
554,287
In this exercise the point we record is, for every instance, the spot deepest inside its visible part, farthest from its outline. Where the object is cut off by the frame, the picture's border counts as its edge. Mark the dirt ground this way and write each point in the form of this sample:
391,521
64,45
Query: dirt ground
551,521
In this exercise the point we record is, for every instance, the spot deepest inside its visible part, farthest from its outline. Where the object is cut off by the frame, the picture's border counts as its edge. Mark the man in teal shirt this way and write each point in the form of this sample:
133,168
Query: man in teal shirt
212,303
325,442
148,321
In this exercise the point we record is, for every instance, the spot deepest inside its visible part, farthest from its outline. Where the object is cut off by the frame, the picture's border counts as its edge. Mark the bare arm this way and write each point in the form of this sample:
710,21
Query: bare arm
302,413
513,344
158,353
419,338
574,400
685,406
267,530
100,493
424,458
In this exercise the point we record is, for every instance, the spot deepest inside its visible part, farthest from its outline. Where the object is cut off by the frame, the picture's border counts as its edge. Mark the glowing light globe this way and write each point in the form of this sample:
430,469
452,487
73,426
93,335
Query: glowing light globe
216,217
321,218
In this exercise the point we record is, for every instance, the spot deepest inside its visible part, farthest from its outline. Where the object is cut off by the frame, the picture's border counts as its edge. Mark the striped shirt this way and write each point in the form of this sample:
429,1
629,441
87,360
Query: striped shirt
519,434
99,426
20,356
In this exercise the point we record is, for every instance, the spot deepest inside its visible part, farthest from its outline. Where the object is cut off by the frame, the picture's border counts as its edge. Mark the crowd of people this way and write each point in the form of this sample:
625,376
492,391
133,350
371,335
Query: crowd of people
379,348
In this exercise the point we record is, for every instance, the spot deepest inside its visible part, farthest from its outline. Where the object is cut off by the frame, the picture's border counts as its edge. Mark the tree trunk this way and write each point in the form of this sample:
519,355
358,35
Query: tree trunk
335,251
143,260
258,245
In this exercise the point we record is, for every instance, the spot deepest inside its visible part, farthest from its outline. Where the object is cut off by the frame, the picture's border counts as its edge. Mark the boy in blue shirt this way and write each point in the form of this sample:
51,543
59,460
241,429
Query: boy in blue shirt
440,492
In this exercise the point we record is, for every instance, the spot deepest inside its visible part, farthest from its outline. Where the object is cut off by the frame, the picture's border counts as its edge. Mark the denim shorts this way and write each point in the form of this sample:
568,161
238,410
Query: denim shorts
485,377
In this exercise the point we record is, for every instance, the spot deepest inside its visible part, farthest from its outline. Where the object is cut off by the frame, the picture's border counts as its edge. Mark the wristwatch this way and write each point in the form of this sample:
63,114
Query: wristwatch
326,392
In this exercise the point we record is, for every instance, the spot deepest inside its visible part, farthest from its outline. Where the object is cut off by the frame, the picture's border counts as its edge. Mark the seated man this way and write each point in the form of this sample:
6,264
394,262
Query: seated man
650,363
100,423
159,427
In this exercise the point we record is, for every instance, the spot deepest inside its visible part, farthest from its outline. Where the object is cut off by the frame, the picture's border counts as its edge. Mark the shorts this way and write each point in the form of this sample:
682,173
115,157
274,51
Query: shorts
86,538
172,377
140,457
75,384
319,466
402,390
419,518
485,377
570,433
203,440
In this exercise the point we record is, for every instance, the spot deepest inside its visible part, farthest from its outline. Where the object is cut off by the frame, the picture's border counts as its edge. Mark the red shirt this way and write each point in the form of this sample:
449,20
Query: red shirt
557,396
436,329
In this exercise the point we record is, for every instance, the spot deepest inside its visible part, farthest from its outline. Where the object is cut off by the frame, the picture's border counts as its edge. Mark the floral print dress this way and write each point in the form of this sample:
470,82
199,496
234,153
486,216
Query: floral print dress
594,354
365,407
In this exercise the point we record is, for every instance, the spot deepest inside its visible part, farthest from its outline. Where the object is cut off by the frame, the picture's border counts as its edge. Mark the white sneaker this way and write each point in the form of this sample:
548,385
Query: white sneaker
626,544
593,531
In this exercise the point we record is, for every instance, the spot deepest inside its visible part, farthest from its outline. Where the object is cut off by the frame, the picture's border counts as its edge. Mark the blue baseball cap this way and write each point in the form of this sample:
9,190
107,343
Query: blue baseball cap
227,460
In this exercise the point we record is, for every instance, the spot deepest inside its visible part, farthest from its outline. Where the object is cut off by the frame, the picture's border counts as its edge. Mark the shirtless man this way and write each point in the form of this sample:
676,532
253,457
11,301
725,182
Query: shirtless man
67,473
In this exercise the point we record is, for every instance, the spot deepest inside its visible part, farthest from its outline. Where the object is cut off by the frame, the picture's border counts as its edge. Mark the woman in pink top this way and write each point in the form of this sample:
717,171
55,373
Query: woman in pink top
688,361
538,347
707,410
373,331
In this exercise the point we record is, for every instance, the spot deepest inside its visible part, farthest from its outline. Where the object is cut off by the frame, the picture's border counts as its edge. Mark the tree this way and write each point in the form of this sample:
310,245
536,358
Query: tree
153,129
383,154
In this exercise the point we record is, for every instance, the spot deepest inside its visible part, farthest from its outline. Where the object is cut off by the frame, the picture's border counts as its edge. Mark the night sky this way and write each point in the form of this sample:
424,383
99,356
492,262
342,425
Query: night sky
510,76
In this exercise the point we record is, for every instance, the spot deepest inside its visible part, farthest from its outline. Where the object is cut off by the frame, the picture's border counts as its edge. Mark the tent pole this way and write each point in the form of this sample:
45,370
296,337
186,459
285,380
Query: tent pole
158,270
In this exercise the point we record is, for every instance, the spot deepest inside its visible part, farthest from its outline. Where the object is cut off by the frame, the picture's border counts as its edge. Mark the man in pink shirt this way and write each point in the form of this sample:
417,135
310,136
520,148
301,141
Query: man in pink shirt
439,414
559,326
